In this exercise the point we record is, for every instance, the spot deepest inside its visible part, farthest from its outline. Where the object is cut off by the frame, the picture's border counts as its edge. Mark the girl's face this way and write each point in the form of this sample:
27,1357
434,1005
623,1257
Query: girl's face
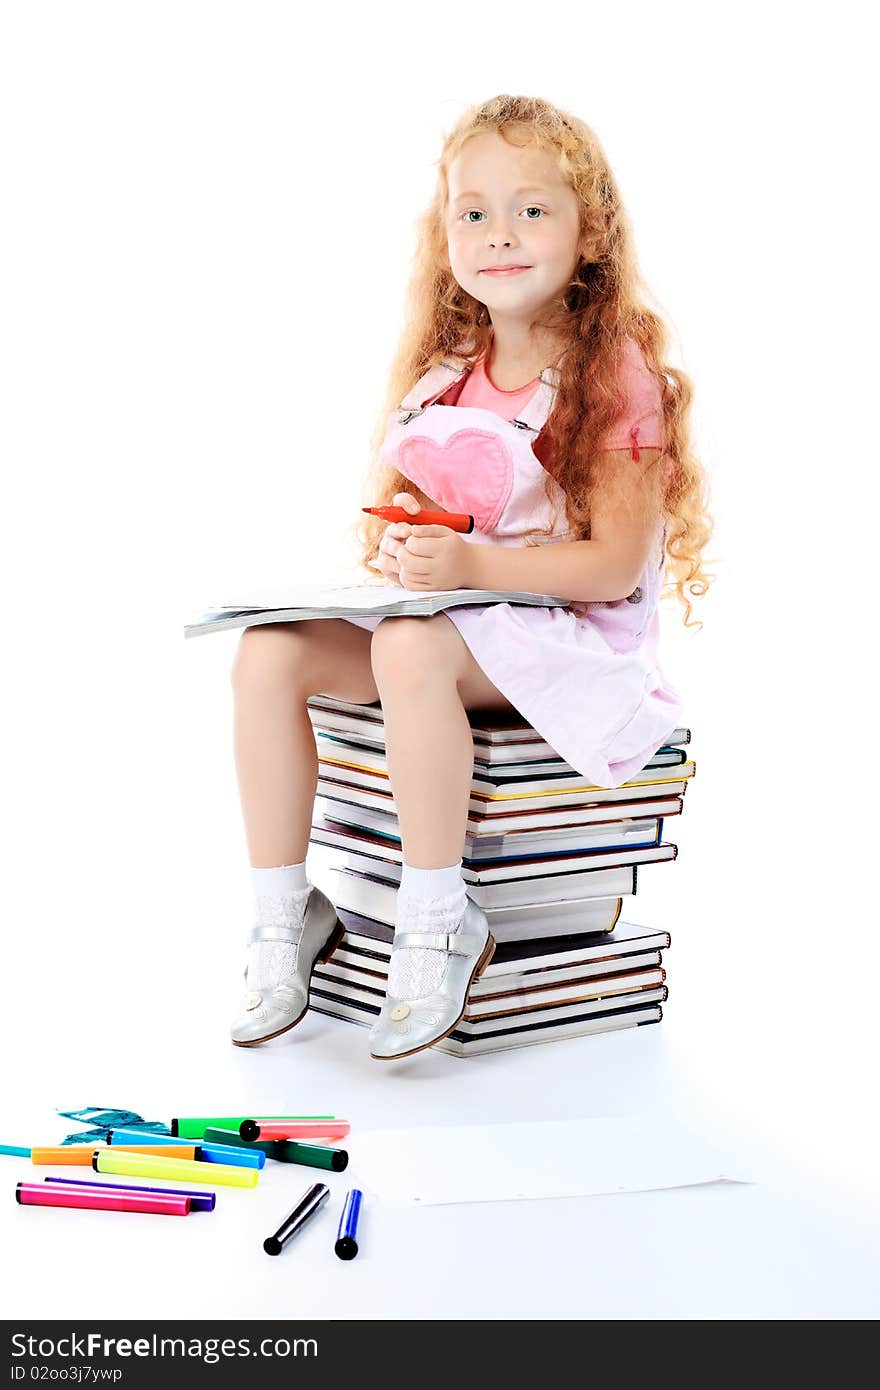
510,206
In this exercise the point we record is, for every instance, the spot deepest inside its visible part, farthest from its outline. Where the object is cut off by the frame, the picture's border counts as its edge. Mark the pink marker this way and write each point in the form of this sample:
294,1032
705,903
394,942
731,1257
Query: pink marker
293,1129
37,1194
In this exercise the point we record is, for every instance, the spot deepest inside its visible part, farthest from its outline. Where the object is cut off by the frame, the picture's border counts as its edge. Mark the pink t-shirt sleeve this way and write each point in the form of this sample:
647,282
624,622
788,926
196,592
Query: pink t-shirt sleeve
641,424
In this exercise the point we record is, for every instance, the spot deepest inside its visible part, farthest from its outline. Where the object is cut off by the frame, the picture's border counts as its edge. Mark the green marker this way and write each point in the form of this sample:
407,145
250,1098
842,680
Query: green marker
194,1128
285,1150
309,1155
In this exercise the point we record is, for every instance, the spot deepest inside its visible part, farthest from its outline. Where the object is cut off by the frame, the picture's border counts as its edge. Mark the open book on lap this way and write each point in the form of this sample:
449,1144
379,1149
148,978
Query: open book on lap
306,601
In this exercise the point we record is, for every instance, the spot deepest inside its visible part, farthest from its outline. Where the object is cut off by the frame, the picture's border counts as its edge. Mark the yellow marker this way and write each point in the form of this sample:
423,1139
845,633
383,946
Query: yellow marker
80,1155
115,1160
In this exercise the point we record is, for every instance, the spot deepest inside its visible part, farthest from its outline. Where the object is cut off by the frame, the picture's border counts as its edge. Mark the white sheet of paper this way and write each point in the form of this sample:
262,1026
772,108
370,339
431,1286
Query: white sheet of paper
434,1165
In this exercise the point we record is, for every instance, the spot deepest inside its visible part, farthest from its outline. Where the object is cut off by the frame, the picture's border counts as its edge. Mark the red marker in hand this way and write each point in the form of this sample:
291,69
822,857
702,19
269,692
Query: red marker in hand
456,521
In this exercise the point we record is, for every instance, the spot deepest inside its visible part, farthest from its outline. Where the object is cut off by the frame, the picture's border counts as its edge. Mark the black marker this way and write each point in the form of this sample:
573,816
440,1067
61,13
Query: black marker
316,1195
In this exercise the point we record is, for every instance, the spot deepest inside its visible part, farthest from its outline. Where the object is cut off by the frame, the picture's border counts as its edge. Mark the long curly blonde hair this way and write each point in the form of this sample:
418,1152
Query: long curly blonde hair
601,307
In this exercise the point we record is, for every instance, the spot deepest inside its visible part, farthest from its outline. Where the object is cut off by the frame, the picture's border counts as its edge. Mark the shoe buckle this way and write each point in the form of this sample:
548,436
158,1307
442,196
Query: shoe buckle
290,935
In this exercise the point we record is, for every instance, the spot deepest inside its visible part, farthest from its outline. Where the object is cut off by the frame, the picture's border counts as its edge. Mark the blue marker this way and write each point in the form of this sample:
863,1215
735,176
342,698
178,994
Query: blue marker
225,1153
15,1151
346,1245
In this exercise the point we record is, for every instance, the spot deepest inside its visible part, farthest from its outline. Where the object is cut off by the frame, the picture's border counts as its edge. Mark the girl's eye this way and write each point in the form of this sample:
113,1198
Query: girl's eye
532,208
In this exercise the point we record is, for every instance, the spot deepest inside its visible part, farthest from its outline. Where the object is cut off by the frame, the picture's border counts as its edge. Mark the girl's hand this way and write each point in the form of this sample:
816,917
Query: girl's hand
393,537
434,557
422,557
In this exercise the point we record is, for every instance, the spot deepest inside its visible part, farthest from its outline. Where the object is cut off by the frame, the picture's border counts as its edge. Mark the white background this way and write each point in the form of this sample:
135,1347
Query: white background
208,222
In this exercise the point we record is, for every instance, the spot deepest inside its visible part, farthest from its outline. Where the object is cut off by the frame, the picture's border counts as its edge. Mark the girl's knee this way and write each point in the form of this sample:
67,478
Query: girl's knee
410,648
269,651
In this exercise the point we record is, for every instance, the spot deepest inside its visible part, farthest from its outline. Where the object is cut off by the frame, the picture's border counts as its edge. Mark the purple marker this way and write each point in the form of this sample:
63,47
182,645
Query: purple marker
199,1201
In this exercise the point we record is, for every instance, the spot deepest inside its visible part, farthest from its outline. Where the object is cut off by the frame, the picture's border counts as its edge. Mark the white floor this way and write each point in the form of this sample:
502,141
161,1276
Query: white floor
800,1242
124,919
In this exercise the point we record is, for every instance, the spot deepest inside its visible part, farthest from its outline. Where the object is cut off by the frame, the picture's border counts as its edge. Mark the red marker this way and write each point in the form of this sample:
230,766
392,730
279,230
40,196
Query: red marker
456,521
293,1129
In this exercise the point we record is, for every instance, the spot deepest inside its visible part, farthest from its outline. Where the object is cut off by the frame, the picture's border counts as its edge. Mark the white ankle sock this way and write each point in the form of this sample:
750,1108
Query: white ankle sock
280,897
284,879
434,900
430,883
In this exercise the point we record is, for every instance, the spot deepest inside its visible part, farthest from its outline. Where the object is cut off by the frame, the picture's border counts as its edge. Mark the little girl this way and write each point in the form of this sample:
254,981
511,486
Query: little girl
529,390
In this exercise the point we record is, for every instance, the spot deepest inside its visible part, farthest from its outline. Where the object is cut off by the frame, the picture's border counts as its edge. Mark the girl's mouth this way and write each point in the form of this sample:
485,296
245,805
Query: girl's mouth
506,270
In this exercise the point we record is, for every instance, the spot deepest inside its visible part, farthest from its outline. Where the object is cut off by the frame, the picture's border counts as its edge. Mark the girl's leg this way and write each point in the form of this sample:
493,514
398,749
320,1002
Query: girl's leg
427,678
277,667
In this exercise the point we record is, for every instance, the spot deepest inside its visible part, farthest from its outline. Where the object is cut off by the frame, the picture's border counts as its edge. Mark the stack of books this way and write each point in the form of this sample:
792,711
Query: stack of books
547,856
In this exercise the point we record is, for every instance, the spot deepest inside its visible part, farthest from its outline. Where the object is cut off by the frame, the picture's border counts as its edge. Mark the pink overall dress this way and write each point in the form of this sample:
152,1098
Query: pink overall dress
586,677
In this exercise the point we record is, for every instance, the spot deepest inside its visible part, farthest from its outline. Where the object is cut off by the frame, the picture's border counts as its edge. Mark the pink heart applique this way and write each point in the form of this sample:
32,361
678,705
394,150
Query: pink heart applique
472,472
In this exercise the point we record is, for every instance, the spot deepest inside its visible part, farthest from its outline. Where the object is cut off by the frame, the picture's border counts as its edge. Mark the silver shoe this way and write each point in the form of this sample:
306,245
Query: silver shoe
273,1011
405,1026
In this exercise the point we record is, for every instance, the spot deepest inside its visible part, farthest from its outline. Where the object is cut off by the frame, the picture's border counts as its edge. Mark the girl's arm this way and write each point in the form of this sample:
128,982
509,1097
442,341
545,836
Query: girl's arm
605,568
